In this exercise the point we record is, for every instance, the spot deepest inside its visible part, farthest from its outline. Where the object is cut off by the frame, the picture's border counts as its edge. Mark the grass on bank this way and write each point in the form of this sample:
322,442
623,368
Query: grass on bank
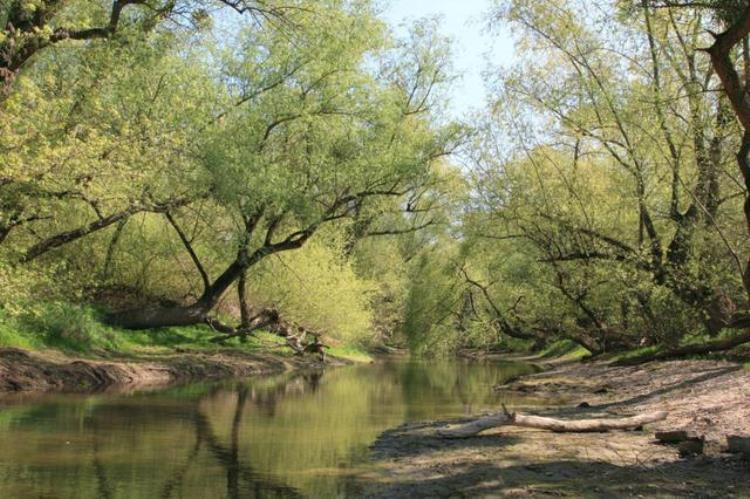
564,349
351,353
635,354
644,354
80,330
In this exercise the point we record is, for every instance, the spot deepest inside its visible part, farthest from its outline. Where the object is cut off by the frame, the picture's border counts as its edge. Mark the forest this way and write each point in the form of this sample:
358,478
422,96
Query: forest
265,248
227,167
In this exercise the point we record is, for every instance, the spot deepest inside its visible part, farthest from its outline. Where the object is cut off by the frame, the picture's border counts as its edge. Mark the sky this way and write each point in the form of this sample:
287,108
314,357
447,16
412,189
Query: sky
464,21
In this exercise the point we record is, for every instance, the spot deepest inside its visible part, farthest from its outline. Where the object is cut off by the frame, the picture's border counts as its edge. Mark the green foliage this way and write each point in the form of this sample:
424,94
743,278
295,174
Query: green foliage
58,325
725,11
434,293
596,204
10,336
308,153
598,220
317,287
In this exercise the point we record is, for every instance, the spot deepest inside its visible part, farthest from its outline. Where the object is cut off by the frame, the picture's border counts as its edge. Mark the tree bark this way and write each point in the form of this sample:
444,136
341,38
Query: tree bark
557,425
734,89
245,313
155,317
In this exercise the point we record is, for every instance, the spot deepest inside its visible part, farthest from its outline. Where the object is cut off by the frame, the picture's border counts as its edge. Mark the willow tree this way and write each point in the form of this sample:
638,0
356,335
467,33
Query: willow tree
623,100
319,131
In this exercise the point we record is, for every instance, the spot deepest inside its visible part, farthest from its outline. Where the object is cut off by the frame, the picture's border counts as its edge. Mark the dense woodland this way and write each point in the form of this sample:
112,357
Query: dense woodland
227,167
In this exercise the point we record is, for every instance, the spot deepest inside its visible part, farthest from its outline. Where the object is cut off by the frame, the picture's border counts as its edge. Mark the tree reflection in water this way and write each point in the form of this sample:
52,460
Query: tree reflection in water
285,436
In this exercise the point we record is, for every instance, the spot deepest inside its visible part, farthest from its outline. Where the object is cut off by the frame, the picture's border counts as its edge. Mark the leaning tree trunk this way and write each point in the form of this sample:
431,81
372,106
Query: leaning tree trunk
156,317
196,313
744,162
153,317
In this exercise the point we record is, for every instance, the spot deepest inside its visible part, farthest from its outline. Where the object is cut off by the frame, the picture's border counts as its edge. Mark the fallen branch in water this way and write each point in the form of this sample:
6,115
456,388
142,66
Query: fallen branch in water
557,425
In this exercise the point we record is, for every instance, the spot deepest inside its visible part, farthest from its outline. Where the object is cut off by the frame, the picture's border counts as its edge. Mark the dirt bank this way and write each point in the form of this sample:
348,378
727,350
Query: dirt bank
22,371
710,398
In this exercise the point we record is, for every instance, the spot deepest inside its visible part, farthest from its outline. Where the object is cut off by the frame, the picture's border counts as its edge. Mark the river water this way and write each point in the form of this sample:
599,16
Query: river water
293,435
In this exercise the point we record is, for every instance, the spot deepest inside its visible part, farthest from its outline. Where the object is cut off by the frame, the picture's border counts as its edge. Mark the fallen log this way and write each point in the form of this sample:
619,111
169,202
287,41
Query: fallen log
545,423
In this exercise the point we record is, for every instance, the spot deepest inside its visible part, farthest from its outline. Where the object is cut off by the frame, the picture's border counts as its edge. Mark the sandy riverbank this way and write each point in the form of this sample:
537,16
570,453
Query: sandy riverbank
708,397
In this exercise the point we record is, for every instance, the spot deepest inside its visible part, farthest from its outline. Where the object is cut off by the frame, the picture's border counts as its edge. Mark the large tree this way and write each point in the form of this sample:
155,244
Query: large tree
317,136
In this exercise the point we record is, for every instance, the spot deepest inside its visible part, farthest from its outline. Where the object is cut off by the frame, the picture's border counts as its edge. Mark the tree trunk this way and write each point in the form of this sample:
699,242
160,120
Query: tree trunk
245,313
736,92
557,425
720,345
196,313
744,164
155,317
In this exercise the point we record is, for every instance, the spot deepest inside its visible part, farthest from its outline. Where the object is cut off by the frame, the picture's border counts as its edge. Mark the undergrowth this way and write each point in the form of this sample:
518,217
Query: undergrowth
81,330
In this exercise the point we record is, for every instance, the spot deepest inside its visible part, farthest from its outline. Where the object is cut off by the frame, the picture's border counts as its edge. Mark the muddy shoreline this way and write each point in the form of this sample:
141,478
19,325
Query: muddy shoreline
709,398
36,372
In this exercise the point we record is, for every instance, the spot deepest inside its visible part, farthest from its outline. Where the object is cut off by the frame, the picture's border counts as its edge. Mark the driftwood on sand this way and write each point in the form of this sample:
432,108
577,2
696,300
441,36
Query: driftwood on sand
545,423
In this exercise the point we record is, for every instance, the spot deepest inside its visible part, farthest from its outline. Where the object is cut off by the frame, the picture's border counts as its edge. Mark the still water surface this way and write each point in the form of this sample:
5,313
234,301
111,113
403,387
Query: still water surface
294,435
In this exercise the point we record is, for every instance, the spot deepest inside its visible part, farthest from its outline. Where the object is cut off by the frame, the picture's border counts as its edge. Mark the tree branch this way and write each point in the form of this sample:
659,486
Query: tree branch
189,248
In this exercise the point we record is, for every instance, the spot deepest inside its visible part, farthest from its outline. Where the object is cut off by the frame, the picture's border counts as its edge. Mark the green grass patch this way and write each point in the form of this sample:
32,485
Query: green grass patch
635,355
10,336
80,330
351,353
564,349
54,325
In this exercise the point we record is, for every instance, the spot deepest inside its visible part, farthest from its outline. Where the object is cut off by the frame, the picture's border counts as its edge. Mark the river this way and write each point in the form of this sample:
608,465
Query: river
292,435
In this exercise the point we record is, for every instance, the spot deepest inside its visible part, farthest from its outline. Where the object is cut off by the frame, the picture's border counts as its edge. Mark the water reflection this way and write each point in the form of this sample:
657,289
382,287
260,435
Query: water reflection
285,436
